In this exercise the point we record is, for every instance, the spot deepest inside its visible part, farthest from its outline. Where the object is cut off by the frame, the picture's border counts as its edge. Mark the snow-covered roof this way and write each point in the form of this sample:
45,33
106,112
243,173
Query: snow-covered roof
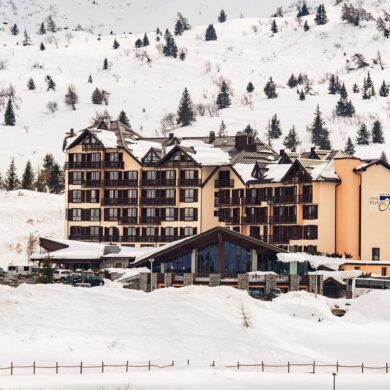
139,148
244,171
276,172
314,260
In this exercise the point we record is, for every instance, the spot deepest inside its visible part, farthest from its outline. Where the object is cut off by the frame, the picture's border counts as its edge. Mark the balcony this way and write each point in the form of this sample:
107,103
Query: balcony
278,239
84,165
292,199
121,183
111,238
158,201
190,182
89,147
254,220
125,220
91,183
113,164
227,202
84,237
158,182
224,183
119,201
150,220
249,201
261,237
305,198
281,219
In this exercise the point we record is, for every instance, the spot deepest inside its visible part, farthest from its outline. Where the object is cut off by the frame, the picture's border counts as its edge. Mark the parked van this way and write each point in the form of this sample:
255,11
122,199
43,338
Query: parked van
22,270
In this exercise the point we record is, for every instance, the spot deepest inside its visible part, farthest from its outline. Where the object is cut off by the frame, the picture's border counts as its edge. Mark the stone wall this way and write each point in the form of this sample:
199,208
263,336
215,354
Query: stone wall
214,280
270,282
188,279
243,281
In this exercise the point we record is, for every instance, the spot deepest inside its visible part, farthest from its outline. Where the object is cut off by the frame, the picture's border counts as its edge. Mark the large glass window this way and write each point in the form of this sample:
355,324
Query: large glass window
180,264
237,259
208,260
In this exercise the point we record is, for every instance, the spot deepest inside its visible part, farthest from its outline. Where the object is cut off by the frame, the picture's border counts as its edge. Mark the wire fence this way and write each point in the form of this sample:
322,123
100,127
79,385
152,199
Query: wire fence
290,368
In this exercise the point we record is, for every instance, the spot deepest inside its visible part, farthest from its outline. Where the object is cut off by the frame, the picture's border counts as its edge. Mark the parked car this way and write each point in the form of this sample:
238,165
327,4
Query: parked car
60,275
22,270
85,280
73,278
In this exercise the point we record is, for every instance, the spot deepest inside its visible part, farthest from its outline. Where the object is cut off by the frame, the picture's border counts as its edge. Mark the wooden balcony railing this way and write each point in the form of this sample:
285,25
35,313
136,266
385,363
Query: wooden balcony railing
190,182
119,201
224,183
279,219
121,183
158,201
158,182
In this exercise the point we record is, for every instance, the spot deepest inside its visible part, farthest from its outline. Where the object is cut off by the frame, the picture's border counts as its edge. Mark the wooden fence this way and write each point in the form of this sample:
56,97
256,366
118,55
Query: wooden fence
262,367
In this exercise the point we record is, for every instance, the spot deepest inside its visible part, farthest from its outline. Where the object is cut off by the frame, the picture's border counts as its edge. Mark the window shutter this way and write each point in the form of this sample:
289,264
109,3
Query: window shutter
70,215
106,214
195,214
176,214
182,231
162,213
82,196
182,193
182,174
70,196
175,231
195,195
181,214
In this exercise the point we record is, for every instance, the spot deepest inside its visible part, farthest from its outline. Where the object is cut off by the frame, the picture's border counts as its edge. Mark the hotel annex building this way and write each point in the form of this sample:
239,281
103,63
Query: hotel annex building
131,190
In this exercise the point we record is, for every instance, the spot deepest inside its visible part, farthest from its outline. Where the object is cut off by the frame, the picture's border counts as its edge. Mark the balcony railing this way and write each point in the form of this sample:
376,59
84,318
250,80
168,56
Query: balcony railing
276,219
227,202
224,183
249,201
283,199
114,164
111,238
305,198
121,183
150,220
158,201
119,201
84,165
125,220
96,146
278,239
190,182
84,237
92,183
255,220
158,182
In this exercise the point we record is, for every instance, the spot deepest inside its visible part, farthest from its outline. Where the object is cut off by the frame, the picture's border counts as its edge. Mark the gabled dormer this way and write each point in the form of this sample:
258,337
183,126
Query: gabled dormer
152,157
297,173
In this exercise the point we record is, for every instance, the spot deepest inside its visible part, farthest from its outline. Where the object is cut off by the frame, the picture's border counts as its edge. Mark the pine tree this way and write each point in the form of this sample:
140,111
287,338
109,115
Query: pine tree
51,26
343,91
105,64
9,115
55,182
349,147
182,55
211,34
291,141
384,90
90,79
27,39
185,112
303,10
138,43
249,130
377,133
363,135
270,89
71,97
124,119
116,44
46,273
306,26
321,17
345,107
105,96
222,130
274,27
51,85
355,88
275,129
28,177
170,48
42,29
11,180
40,183
179,28
333,87
368,88
319,133
250,87
183,21
222,16
300,79
302,95
223,98
292,81
97,97
383,157
14,30
31,84
42,46
145,41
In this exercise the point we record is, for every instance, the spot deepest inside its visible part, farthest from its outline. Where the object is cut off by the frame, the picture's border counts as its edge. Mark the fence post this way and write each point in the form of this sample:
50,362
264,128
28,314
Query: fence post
81,367
362,368
173,363
56,367
262,366
337,367
127,366
314,367
149,365
238,365
387,368
188,362
102,367
213,364
12,368
288,367
34,368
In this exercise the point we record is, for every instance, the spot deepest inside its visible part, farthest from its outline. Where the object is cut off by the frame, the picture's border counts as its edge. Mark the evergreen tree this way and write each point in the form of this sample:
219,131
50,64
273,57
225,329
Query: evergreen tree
355,88
383,157
319,133
51,85
42,46
90,79
211,34
292,81
170,48
306,26
185,112
222,130
377,133
349,147
97,97
334,86
28,177
71,97
249,130
222,16
105,96
384,90
303,11
27,39
40,183
105,64
363,135
250,87
14,30
270,89
138,43
11,180
182,55
321,17
42,29
145,41
345,107
46,273
51,26
9,115
302,95
31,84
291,141
343,91
55,182
300,79
179,28
274,27
368,88
116,44
124,119
223,98
183,22
275,129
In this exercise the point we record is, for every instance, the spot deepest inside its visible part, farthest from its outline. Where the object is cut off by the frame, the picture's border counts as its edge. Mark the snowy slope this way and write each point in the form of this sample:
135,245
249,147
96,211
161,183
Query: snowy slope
245,51
197,323
25,213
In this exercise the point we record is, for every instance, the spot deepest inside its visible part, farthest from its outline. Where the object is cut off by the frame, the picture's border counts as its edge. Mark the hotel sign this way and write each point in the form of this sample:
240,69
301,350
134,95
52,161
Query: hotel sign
380,203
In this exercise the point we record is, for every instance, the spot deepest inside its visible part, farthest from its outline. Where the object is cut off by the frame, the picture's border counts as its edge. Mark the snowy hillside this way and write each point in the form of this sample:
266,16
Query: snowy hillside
26,214
245,51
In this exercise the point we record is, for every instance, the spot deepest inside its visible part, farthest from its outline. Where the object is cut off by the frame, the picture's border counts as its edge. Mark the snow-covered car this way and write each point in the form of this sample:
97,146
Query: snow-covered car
88,279
61,275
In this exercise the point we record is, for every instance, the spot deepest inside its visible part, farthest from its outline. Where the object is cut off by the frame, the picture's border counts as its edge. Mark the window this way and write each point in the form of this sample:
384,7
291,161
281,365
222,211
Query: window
131,194
95,215
94,196
113,214
114,156
180,264
132,212
76,215
131,231
237,259
150,212
169,231
77,157
376,254
150,193
113,194
384,271
170,175
170,193
189,195
95,176
208,260
94,231
150,231
188,214
95,157
310,212
189,175
113,175
170,214
151,175
76,178
76,196
132,175
310,232
189,231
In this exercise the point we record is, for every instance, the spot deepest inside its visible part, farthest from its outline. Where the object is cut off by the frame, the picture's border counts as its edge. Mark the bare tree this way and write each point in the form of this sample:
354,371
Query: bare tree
71,98
245,316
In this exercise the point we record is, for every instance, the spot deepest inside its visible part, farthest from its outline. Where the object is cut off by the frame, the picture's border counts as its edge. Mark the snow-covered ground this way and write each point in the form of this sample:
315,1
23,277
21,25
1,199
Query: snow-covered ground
246,50
25,214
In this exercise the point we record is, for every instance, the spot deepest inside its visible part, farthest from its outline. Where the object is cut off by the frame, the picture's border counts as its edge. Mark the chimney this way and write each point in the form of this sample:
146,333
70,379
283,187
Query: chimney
171,135
281,152
71,133
241,141
211,137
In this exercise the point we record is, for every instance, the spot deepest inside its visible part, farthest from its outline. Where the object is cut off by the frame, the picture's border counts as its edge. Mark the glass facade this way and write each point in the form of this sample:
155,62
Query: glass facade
179,265
237,259
208,260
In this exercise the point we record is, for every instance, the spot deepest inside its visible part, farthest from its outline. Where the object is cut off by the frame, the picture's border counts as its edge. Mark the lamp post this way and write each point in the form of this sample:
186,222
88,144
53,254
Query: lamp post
151,275
334,380
316,282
